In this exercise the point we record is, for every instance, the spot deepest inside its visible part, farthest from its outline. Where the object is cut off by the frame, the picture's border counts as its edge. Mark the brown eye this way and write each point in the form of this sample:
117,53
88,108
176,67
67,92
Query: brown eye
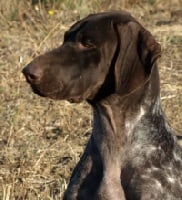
84,42
87,43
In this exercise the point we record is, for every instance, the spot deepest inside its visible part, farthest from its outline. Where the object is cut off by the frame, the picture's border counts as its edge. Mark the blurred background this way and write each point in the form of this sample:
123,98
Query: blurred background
41,140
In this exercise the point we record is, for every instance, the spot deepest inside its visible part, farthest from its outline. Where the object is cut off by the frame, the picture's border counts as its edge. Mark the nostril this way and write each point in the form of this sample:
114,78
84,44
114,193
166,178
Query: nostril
33,75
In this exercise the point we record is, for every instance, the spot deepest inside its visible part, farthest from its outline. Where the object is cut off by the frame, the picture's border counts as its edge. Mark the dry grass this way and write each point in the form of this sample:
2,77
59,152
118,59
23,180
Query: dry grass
41,140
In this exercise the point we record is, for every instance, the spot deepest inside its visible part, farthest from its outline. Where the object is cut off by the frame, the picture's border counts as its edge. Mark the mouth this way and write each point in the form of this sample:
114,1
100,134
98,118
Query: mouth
50,89
54,94
36,91
75,100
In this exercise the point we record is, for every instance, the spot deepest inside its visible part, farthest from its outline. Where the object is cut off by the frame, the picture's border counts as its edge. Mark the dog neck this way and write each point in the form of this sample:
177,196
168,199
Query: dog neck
116,118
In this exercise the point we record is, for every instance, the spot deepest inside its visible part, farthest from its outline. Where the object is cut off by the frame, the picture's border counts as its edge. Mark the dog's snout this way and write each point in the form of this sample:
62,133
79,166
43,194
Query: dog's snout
33,74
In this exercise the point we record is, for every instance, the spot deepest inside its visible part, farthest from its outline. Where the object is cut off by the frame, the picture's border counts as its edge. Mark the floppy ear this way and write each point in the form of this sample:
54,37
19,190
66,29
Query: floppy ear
137,52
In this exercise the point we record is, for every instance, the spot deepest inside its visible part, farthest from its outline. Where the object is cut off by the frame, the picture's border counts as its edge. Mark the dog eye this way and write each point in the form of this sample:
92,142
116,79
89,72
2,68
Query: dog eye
84,41
87,43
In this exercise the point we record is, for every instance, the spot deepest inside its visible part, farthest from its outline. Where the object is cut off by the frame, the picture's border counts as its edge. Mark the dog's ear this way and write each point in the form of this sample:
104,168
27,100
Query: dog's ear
136,52
148,49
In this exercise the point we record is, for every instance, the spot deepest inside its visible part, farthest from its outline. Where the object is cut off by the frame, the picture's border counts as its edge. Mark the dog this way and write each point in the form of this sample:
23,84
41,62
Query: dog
110,60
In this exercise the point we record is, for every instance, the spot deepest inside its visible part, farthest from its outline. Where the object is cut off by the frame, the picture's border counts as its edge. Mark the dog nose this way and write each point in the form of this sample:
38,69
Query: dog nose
33,74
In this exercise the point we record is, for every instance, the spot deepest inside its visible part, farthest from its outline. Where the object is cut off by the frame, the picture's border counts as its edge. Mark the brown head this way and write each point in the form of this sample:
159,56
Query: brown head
101,54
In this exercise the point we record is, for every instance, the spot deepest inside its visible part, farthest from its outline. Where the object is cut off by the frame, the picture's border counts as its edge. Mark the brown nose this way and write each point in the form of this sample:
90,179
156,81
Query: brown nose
33,74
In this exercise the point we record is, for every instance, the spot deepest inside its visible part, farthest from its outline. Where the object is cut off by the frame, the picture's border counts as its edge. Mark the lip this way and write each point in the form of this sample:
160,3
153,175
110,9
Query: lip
37,91
55,94
75,99
51,92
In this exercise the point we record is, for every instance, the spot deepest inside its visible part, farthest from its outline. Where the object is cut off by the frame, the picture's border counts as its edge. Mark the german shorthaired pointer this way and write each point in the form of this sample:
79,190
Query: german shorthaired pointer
109,59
